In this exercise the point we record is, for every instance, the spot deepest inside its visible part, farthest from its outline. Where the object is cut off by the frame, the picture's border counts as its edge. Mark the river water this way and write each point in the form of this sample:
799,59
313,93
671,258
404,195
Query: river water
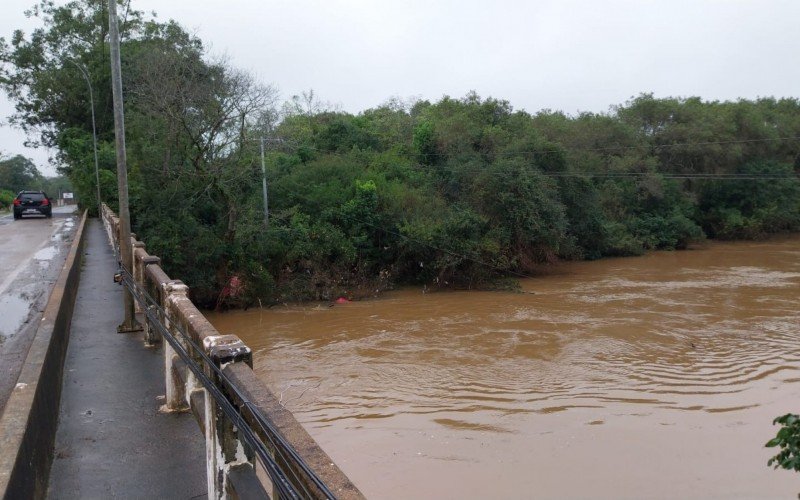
647,377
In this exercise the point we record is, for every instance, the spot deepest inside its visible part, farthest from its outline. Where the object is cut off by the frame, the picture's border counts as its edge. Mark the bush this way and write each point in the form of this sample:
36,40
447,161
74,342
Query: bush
666,232
619,242
788,439
751,208
6,199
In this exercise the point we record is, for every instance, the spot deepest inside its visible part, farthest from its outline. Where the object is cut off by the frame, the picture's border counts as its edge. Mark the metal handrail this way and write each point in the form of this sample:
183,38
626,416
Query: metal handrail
290,475
149,306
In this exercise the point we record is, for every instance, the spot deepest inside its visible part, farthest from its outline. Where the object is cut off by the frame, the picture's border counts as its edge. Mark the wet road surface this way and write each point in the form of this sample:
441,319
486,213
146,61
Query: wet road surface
32,252
650,377
112,440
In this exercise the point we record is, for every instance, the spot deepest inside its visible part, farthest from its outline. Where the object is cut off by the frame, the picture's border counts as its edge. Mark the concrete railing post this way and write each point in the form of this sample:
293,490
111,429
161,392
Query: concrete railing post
173,292
115,223
138,273
108,223
151,338
231,468
223,448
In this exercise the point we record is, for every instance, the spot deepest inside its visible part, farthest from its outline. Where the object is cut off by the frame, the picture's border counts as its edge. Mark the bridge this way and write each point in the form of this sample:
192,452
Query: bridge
173,410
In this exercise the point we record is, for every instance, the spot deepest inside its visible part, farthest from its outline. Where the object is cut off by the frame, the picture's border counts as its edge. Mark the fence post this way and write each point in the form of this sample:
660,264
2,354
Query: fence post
175,388
223,448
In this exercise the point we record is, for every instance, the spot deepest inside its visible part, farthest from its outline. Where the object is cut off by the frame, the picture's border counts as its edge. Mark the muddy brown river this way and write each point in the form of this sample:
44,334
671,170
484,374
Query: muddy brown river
648,377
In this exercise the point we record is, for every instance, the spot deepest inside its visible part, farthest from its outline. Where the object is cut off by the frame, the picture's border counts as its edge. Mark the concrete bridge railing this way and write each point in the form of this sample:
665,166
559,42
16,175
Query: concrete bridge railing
231,466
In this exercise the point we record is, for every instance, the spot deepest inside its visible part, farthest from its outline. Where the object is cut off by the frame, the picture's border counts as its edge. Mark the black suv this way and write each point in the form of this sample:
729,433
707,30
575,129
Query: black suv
28,202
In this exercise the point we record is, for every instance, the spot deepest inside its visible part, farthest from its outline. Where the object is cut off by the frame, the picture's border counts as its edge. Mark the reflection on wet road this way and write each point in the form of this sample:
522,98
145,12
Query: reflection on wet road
32,252
23,242
645,377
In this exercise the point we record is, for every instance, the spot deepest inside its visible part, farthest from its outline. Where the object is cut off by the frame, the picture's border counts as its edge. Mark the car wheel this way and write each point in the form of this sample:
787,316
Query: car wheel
17,216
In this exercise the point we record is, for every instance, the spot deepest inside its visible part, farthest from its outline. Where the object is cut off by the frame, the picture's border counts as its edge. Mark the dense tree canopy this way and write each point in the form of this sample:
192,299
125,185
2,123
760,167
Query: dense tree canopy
18,173
457,192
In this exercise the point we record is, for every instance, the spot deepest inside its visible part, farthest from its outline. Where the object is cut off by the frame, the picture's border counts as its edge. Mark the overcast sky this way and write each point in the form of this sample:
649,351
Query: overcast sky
558,54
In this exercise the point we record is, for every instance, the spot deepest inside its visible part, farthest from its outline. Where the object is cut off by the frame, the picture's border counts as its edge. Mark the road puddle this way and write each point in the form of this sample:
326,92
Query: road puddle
46,253
13,313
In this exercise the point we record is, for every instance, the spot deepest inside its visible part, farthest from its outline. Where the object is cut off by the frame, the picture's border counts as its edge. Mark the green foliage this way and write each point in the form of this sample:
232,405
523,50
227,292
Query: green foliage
6,198
751,208
459,192
425,143
670,231
788,441
586,229
77,149
55,185
619,241
518,197
455,248
18,173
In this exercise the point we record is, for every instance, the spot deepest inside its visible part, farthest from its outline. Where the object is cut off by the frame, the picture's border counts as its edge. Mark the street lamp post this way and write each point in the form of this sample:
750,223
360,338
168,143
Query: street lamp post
264,184
85,74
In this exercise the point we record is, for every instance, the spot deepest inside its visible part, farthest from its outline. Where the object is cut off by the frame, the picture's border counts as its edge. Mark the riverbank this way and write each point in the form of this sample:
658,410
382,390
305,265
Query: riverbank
510,283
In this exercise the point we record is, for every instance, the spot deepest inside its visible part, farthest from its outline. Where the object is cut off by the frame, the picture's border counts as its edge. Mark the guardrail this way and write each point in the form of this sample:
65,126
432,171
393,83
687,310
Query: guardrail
254,446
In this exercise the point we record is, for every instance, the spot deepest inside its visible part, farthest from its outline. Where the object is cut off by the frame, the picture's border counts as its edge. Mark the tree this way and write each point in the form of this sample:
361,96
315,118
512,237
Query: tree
18,173
751,208
55,185
458,192
51,99
198,123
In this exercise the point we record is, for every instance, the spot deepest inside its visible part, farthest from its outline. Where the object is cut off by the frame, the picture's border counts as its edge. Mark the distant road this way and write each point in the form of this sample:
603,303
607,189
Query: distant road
21,239
32,252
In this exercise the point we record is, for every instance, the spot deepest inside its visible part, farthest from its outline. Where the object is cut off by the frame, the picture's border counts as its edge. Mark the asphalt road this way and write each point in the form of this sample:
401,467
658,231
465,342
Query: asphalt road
32,252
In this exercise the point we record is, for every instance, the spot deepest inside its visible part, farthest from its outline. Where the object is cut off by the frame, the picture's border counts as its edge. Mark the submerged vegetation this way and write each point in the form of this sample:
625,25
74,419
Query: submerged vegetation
458,192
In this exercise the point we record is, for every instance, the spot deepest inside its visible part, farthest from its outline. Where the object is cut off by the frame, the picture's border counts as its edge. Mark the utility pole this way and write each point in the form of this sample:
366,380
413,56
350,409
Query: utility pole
264,184
126,251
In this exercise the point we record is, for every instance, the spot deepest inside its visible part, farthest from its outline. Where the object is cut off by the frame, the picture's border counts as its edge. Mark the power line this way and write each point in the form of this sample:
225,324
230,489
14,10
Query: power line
567,149
602,175
621,175
641,175
497,268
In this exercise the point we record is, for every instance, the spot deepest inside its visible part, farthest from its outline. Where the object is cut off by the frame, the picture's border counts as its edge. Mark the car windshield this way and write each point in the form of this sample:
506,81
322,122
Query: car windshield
32,197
